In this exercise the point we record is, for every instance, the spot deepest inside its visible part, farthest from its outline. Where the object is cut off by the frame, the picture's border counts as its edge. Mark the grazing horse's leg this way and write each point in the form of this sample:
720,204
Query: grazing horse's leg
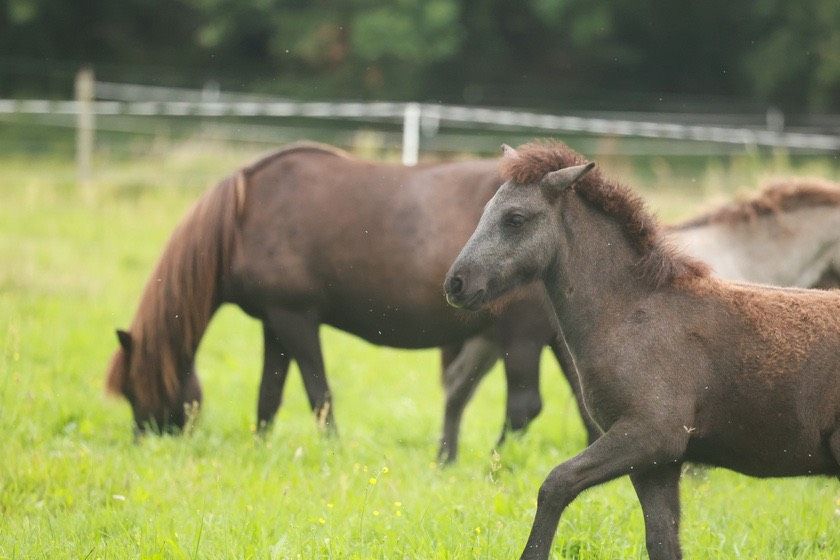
834,445
298,332
522,370
567,366
275,368
192,388
830,279
448,354
659,493
461,377
522,336
626,447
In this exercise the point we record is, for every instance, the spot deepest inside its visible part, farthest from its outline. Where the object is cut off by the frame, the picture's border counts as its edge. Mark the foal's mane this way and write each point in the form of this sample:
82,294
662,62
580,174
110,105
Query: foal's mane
777,196
660,263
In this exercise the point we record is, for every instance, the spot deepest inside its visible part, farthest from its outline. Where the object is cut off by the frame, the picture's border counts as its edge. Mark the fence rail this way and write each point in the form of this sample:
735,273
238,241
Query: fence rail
432,116
113,99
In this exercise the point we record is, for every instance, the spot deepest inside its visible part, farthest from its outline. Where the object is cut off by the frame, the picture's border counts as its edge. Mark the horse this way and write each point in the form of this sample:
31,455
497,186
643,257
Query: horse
308,236
787,235
675,365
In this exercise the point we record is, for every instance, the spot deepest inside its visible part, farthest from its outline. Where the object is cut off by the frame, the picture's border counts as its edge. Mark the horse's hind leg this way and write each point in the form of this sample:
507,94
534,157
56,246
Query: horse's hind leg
523,329
834,447
298,332
461,377
522,369
626,447
275,368
830,279
448,354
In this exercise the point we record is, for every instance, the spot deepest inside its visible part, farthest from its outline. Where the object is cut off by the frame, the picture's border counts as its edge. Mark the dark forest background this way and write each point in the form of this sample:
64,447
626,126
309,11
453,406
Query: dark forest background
549,54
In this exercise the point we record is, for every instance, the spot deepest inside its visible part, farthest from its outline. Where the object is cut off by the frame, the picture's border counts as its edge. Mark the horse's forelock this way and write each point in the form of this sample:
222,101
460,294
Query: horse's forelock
528,164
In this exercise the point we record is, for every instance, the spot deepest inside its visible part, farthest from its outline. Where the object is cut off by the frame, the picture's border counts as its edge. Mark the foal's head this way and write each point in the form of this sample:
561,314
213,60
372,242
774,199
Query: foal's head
515,240
137,373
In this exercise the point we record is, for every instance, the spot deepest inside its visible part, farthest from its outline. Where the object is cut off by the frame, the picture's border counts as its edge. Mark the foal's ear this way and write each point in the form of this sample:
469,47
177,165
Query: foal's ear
556,181
507,151
125,340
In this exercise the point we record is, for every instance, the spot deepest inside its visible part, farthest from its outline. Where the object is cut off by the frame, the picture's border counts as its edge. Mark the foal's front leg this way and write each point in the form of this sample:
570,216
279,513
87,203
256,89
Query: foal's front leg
628,446
658,490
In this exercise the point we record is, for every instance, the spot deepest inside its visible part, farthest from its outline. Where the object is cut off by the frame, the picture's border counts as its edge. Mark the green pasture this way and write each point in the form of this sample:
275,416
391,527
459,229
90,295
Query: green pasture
74,485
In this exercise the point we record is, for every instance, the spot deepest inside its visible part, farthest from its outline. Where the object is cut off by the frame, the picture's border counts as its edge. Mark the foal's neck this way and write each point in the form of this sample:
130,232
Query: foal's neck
596,278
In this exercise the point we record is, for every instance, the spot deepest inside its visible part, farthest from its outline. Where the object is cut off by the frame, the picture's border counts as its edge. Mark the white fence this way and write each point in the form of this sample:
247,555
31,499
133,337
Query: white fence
136,100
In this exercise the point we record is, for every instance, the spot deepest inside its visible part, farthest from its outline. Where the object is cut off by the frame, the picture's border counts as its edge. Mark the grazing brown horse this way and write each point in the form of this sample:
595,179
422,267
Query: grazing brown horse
308,236
674,364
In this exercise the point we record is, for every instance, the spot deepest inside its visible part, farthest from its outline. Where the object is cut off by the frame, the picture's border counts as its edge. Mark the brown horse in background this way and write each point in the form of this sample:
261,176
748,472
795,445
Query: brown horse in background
786,235
308,236
674,364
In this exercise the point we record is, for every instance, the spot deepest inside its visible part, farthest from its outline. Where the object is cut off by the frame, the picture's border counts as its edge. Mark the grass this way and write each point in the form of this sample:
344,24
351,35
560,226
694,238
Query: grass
72,483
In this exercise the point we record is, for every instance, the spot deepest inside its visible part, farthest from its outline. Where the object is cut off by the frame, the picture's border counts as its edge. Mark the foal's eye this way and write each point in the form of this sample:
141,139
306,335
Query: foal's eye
514,220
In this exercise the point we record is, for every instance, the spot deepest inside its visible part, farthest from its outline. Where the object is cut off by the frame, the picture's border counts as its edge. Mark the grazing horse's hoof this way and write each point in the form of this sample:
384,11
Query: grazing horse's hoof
447,455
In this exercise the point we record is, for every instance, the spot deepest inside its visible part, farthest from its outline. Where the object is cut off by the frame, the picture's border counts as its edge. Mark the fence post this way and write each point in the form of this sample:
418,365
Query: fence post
775,120
411,134
84,128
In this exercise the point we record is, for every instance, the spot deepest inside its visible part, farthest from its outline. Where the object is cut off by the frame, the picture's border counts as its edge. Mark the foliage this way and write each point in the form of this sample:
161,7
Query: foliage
552,53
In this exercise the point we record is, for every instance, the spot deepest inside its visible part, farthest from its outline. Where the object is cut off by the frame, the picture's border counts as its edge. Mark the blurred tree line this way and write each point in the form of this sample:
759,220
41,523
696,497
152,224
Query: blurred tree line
551,54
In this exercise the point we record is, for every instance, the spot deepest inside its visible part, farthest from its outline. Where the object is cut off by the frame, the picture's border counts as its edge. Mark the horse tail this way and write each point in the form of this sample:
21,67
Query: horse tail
184,291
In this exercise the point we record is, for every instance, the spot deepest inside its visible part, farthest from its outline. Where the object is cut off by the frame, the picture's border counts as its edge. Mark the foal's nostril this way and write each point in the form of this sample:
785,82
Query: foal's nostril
456,285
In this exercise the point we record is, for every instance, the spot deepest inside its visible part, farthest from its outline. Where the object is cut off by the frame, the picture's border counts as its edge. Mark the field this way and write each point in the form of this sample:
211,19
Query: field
74,485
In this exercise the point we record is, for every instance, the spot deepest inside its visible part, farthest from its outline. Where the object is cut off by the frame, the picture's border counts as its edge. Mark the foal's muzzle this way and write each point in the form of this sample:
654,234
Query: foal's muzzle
461,292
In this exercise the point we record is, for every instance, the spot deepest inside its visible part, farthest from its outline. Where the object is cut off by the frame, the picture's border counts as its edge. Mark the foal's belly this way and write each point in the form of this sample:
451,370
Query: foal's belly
767,452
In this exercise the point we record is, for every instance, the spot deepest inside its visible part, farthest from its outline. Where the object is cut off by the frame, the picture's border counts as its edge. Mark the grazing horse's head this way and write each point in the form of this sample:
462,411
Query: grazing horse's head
161,400
514,240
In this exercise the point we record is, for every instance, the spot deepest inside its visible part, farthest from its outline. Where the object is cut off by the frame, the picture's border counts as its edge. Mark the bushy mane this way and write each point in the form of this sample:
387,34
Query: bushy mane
777,196
659,262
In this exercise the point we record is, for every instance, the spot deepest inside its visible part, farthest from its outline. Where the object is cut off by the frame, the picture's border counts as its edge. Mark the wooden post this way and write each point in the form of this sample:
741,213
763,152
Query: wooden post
84,128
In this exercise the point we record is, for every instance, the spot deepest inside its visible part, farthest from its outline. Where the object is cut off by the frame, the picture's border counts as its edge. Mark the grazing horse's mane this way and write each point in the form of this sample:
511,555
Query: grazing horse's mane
660,262
184,292
777,196
177,303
